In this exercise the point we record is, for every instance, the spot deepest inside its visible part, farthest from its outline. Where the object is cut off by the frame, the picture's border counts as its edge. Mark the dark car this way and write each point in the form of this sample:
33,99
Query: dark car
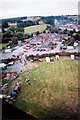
4,68
63,47
13,95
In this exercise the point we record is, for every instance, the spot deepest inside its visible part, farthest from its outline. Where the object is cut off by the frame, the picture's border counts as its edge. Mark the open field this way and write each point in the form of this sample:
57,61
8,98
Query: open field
52,89
31,29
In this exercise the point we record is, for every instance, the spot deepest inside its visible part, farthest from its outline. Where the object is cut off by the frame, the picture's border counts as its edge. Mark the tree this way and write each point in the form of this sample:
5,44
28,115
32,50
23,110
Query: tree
20,34
19,29
44,31
7,34
70,42
12,28
14,40
16,29
5,25
25,24
50,21
37,32
5,40
13,32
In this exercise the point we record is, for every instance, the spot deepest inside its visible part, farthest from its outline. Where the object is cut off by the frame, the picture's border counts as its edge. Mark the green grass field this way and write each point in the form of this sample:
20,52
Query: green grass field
31,29
53,89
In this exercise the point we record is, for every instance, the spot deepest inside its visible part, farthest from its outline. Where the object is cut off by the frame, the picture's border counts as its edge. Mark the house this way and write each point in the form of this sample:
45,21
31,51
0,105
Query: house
12,24
41,22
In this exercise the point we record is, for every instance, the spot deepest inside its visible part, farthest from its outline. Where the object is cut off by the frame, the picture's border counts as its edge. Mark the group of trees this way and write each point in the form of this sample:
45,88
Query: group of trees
50,19
13,20
27,23
75,35
13,34
20,22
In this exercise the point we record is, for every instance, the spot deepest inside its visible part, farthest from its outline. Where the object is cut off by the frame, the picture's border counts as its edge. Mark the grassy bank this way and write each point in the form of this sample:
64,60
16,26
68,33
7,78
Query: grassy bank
52,89
31,29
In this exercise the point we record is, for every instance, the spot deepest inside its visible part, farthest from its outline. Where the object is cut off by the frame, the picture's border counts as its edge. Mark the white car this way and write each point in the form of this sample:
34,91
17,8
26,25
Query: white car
2,65
2,96
11,63
70,47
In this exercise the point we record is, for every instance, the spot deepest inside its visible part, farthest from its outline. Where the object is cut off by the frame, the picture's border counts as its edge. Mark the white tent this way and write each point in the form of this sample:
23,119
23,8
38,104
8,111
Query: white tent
72,57
57,57
47,59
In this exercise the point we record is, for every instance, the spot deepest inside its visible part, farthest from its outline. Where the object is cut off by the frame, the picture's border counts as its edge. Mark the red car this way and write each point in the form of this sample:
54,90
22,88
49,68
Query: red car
35,59
16,89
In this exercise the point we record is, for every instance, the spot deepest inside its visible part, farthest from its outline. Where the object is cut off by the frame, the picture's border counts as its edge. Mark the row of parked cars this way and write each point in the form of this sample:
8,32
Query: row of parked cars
4,66
36,59
9,75
13,94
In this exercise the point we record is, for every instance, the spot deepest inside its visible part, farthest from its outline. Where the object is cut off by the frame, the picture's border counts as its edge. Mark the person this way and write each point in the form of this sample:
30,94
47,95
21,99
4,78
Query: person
17,83
57,57
51,59
76,57
72,56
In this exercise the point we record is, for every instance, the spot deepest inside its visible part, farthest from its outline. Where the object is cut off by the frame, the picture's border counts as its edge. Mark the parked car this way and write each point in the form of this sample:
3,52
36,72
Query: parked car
2,96
10,63
35,59
16,88
4,68
13,96
63,47
14,93
8,50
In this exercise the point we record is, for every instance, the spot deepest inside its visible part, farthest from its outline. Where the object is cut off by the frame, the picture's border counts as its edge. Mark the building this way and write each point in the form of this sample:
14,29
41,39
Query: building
12,24
33,18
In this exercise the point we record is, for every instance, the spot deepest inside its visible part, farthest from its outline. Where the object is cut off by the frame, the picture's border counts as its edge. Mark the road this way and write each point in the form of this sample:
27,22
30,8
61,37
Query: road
20,49
20,66
16,68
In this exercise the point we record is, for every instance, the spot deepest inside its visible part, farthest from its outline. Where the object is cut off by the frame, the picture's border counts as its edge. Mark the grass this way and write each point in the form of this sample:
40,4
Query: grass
35,28
0,46
3,46
53,90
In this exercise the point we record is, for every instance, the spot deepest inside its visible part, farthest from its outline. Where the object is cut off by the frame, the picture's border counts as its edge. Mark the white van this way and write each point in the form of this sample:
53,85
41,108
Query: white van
8,50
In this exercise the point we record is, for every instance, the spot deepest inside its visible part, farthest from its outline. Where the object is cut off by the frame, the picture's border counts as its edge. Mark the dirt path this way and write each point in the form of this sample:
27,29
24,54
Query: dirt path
29,65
